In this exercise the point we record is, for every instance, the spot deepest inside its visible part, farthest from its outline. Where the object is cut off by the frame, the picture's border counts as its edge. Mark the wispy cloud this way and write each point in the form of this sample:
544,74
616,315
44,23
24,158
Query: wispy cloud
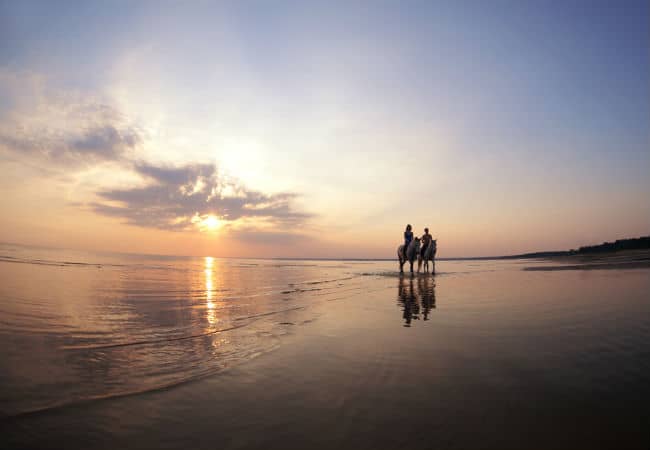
82,147
57,128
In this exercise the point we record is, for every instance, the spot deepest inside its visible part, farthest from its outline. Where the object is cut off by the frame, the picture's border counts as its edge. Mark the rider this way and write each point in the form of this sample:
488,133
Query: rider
408,237
426,240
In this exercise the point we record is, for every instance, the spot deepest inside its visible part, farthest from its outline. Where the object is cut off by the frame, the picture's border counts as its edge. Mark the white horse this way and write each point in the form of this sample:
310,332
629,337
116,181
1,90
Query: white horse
411,253
429,255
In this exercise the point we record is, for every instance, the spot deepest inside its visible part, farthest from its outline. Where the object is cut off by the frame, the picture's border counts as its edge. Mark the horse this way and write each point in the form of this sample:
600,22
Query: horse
411,253
429,255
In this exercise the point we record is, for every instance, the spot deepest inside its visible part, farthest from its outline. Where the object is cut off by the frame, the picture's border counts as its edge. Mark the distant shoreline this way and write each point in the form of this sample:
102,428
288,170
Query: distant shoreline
621,246
621,259
641,243
602,266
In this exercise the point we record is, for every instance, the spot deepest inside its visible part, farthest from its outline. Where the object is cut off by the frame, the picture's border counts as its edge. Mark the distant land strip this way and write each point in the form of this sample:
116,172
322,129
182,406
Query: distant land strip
641,243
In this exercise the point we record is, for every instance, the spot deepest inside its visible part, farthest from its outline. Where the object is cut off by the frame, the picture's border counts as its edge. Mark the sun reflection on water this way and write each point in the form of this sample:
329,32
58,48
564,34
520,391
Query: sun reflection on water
209,291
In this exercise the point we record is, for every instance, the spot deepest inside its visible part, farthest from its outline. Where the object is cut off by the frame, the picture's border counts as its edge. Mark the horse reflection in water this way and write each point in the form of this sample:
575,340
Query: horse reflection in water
416,296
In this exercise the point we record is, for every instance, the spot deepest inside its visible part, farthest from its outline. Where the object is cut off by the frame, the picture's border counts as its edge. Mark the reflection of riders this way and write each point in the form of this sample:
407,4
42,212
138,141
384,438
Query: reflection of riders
409,301
408,237
427,291
426,240
409,298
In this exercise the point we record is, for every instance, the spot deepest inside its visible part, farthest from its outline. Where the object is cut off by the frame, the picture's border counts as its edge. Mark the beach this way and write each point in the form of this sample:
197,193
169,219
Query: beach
211,212
117,352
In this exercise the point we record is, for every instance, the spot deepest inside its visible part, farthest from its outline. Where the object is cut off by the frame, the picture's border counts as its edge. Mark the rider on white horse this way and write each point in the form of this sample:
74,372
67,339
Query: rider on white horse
426,240
408,237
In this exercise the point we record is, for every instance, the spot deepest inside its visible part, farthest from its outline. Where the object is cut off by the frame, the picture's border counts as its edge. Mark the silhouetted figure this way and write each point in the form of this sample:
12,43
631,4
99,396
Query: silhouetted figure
408,236
410,250
425,241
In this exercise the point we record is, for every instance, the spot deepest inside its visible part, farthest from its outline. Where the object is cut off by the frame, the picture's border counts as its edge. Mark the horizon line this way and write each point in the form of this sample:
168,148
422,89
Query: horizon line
533,254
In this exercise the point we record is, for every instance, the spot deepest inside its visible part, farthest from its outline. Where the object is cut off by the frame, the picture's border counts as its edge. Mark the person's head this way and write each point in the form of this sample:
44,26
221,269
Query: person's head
426,230
408,227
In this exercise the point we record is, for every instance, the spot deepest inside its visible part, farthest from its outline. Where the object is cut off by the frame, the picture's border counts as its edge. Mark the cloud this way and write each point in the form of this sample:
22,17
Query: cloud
180,196
61,128
64,132
105,142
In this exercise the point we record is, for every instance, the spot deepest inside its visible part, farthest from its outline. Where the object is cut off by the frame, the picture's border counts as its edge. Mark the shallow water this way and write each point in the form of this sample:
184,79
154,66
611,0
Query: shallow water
80,326
479,346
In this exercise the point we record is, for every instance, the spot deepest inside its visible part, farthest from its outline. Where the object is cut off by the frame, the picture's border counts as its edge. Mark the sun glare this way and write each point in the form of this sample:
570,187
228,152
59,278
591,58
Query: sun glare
207,223
211,222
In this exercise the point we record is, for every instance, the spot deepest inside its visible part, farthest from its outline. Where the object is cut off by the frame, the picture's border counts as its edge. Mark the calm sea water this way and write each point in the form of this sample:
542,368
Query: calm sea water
80,326
77,328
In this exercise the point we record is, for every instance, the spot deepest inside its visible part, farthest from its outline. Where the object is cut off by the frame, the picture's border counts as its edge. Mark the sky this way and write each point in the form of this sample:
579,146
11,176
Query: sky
320,129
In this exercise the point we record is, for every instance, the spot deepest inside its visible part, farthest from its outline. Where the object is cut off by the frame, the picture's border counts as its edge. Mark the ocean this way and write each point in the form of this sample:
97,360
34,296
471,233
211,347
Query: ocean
351,354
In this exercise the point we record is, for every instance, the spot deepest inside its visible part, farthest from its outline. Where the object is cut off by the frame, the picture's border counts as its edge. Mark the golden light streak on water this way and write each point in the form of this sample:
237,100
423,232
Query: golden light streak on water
209,291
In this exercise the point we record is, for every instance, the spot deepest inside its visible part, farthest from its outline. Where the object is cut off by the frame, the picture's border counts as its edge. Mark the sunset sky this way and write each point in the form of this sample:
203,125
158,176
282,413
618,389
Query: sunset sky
320,129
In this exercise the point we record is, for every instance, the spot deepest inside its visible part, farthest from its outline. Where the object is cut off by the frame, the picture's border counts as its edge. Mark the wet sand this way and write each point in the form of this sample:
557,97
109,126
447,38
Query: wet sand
475,358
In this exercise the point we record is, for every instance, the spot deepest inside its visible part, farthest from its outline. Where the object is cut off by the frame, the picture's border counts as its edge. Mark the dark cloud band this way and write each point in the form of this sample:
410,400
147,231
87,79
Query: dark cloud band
177,194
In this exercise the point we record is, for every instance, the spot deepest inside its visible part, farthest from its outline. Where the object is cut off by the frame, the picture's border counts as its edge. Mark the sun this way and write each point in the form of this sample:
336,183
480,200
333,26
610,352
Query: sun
207,222
211,223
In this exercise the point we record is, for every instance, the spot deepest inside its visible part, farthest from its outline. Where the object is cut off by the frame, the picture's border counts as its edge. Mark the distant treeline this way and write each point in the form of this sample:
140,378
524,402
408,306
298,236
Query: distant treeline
621,244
